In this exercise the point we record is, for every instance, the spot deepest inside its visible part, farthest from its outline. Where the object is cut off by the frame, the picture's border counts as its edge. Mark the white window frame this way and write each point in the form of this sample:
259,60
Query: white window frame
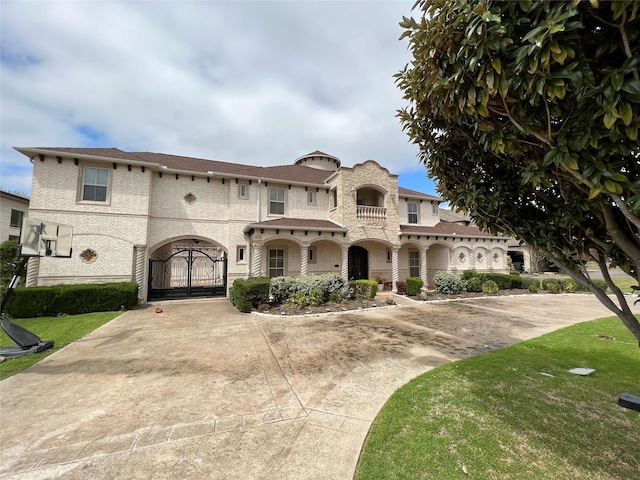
312,255
410,213
334,198
276,257
243,186
434,208
277,201
83,184
414,256
389,256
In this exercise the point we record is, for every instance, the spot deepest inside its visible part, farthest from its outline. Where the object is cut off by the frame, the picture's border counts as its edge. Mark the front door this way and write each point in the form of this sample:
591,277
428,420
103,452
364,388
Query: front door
358,263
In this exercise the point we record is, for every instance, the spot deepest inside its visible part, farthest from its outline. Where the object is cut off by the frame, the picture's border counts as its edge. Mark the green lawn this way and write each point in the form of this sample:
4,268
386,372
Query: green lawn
498,416
62,330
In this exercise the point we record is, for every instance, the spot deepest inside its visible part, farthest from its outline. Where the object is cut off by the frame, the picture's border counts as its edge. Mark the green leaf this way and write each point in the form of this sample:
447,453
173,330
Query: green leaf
625,113
617,79
497,66
595,191
631,86
608,120
632,132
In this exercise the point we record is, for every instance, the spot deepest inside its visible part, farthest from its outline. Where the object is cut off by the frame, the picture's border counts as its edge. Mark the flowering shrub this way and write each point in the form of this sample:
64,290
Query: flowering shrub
449,283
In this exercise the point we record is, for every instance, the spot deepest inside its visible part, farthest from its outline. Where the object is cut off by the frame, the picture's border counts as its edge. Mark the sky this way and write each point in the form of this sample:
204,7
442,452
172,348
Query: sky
258,83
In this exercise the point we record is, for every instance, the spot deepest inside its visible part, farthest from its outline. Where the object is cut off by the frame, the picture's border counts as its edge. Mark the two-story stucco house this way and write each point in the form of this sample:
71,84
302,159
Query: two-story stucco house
182,226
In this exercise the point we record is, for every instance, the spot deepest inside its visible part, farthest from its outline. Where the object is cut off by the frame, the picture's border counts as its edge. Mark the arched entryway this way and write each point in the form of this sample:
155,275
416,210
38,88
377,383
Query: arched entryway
187,268
358,263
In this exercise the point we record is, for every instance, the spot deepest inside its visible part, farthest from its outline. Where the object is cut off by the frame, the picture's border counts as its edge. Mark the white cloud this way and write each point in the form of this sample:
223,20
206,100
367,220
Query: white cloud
247,82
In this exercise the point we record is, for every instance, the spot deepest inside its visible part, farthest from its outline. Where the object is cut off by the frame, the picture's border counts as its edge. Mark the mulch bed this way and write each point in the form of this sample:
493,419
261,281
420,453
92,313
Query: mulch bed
379,301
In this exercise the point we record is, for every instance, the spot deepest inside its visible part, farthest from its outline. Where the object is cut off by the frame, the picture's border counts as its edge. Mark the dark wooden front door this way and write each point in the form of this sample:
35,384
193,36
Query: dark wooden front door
358,263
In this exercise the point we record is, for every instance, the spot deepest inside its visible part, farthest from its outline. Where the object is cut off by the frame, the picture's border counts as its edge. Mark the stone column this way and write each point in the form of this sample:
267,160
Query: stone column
33,269
423,265
304,259
394,269
140,257
256,269
344,262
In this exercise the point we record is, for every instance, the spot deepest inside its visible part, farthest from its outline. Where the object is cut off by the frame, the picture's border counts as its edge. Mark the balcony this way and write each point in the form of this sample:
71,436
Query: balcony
366,212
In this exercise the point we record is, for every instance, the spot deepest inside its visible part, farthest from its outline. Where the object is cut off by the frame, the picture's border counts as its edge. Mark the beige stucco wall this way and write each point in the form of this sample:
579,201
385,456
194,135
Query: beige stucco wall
110,229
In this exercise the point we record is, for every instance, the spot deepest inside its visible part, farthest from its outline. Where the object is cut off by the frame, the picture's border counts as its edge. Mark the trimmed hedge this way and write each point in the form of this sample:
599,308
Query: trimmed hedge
247,294
414,284
72,299
364,289
330,284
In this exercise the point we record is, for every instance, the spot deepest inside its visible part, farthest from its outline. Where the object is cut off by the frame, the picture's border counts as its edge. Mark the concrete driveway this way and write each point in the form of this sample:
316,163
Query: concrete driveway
201,391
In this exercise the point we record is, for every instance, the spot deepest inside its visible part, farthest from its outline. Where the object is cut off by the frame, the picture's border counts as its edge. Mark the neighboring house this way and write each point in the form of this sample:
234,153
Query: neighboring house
182,226
13,208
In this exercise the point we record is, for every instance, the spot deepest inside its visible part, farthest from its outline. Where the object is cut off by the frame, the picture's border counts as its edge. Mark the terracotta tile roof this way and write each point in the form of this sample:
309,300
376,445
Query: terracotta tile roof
444,228
298,223
405,192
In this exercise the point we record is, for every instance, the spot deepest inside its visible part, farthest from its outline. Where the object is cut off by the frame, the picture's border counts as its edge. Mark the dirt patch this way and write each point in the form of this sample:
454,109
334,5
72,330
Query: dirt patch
346,306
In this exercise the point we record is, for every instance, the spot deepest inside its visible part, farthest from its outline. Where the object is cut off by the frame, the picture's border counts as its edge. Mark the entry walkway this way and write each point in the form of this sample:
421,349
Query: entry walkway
201,391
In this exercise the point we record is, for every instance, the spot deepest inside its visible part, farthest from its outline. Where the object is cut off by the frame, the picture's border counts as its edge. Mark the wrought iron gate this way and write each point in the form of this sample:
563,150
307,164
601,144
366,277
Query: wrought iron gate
188,271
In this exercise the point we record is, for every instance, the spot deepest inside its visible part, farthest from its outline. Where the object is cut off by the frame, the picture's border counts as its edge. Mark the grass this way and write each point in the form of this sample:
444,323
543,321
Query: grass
62,330
625,283
498,416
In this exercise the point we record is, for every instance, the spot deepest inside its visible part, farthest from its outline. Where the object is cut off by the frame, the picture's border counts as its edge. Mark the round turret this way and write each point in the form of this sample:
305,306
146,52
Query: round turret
319,160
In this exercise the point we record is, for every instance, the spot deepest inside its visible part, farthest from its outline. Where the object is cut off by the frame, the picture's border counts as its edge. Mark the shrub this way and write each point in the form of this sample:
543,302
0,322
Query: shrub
553,287
533,287
7,257
569,286
401,287
282,288
474,284
72,299
489,286
247,294
298,300
449,283
316,298
366,289
469,274
503,281
527,282
414,284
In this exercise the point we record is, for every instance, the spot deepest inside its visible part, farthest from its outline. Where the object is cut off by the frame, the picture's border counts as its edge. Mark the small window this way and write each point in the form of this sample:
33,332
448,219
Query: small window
240,257
276,201
16,218
311,197
334,198
413,212
312,254
414,263
94,184
14,238
243,190
389,256
434,208
276,263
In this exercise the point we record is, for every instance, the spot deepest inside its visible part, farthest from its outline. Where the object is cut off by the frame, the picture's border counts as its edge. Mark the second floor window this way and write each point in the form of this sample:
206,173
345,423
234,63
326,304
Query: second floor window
276,201
16,218
94,184
243,190
413,212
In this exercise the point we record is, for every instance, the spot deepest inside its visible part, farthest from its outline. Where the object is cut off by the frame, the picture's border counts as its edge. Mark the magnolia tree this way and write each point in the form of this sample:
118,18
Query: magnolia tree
528,114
